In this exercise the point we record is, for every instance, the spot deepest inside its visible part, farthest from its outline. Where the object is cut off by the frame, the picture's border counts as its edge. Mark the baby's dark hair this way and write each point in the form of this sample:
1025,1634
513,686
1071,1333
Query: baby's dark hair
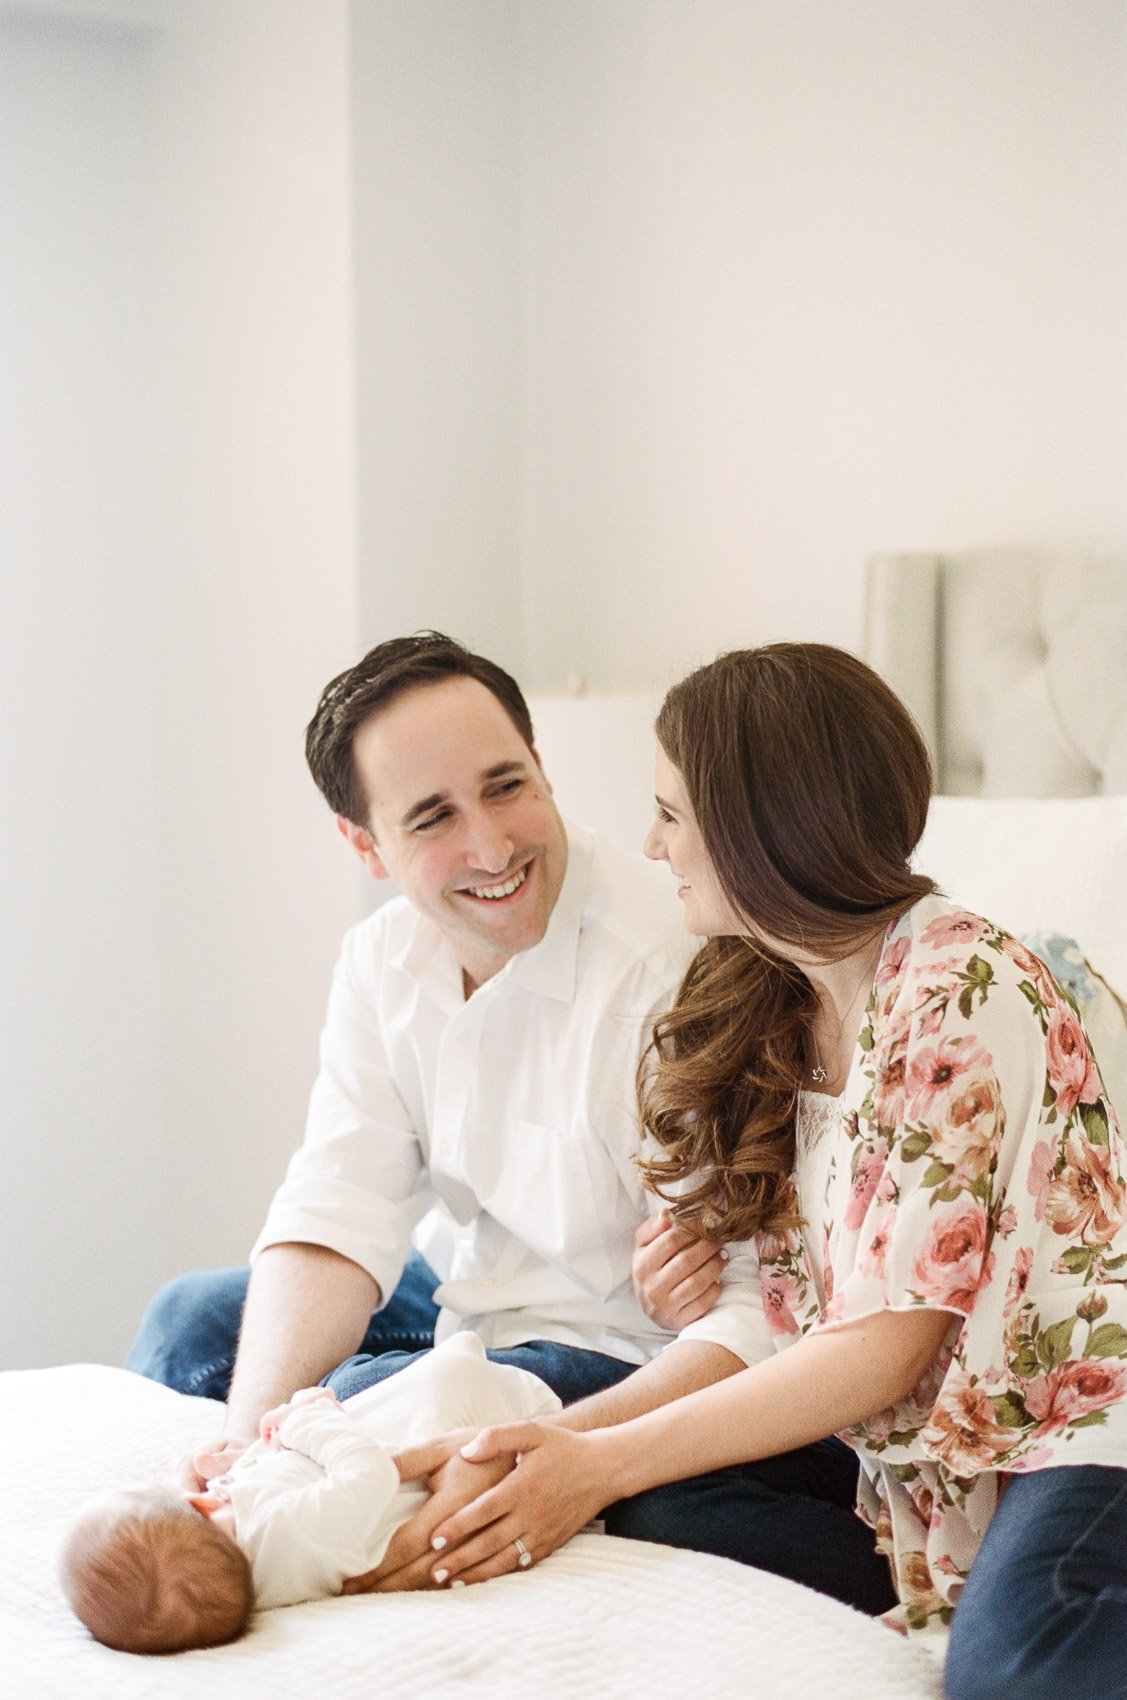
147,1573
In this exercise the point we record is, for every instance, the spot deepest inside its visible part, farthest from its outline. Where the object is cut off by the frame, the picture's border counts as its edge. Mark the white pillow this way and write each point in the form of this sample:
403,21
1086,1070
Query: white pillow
1049,864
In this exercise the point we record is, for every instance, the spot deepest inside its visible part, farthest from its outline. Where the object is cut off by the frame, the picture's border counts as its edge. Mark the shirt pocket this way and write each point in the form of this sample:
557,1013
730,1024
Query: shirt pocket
546,1193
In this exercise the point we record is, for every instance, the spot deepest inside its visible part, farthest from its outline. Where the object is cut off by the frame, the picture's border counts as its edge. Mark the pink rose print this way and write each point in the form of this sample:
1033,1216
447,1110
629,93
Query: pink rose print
930,1021
781,1299
888,1086
872,1260
827,1268
893,961
960,929
954,1263
1039,1179
1087,1200
1007,1222
1018,1281
1038,1459
1072,1069
1074,1389
935,1069
963,1432
1030,965
971,1127
870,1167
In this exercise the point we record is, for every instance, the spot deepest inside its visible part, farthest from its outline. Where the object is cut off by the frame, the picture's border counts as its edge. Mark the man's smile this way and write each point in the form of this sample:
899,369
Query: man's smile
502,890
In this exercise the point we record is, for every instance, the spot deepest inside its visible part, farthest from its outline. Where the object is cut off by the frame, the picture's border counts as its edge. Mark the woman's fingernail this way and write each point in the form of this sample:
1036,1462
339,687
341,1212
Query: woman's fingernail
457,1582
723,1255
469,1450
438,1542
441,1575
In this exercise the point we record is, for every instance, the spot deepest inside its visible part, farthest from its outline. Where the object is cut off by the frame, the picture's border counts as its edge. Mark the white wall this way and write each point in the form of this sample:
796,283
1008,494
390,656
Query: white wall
177,388
670,312
79,1035
804,279
436,107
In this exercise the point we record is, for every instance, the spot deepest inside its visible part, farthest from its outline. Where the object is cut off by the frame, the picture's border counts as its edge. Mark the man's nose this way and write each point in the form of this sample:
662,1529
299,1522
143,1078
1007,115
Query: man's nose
488,845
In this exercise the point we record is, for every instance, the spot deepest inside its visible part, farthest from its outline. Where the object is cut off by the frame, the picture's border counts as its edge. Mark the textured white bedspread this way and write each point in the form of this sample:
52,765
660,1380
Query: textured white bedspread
601,1617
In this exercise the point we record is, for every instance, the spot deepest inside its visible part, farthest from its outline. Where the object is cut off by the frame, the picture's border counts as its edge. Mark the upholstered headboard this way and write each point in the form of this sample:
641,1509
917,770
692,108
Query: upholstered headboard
1014,663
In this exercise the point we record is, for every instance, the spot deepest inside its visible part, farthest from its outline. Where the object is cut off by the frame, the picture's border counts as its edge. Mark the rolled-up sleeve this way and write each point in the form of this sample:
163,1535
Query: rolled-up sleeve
736,1320
358,1183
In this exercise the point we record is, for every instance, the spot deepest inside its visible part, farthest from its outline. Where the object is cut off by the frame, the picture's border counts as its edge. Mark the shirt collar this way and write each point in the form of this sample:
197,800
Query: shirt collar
549,968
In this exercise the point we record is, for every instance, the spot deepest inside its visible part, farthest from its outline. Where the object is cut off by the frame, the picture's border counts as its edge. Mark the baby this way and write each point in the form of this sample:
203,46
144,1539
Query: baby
314,1501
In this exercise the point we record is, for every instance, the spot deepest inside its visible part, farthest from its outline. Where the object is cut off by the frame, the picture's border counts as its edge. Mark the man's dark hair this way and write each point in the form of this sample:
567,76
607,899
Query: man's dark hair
424,658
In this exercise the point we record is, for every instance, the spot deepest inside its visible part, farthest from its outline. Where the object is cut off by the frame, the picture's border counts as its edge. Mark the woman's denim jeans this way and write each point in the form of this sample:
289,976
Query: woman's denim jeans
1044,1613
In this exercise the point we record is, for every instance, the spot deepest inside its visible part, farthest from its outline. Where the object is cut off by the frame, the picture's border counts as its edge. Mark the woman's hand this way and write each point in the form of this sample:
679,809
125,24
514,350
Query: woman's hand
453,1483
676,1276
560,1482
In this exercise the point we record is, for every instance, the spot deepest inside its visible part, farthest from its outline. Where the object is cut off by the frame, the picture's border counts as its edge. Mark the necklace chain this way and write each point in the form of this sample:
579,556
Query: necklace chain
818,1073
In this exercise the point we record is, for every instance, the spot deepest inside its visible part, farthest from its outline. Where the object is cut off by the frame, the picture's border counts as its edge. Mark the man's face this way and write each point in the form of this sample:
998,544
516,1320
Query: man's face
461,817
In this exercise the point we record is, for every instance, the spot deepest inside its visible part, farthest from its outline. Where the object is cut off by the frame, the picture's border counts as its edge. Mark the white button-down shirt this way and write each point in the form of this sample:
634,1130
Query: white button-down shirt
515,1108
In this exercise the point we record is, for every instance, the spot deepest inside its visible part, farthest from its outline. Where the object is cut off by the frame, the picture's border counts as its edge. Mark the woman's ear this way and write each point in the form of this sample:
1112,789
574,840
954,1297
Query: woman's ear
364,845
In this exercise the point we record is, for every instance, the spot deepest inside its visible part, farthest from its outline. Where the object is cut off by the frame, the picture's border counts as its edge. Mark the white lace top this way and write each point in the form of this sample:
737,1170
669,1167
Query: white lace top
819,1116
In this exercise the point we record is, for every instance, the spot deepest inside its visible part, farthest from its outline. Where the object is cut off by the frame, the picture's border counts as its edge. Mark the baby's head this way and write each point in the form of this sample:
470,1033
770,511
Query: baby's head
148,1573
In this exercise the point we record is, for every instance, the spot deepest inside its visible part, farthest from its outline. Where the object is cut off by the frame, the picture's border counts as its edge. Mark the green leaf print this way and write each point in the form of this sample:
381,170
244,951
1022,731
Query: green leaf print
1010,1411
1090,1419
1095,1123
980,971
1023,1364
1109,1340
966,1002
1077,1258
914,1145
1030,991
1054,1344
936,1173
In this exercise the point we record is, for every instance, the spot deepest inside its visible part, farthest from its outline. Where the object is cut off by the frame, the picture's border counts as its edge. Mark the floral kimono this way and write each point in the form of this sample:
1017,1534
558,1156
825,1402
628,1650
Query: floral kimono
976,1167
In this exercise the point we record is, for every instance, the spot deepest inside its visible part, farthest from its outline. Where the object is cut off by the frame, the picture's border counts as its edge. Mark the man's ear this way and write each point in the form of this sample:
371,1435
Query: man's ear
540,765
364,845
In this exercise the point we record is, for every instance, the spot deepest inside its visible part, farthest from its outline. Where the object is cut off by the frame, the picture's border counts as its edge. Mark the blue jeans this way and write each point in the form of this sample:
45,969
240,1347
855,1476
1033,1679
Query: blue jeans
792,1515
1044,1610
189,1333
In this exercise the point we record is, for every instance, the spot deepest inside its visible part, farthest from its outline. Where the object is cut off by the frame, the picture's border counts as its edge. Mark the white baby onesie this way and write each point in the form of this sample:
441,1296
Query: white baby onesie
324,1506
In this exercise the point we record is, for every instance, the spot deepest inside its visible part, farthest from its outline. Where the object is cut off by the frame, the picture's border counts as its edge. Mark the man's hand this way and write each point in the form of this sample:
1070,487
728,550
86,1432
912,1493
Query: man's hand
454,1483
676,1276
196,1469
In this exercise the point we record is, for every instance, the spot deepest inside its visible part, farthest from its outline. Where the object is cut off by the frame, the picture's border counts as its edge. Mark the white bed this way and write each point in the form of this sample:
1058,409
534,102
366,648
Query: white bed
602,1616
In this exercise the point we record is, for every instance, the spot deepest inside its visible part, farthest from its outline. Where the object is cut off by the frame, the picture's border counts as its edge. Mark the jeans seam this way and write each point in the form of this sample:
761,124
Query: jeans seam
1062,1592
204,1372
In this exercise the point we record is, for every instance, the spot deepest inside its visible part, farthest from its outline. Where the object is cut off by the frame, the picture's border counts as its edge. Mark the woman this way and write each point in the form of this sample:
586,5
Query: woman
897,1103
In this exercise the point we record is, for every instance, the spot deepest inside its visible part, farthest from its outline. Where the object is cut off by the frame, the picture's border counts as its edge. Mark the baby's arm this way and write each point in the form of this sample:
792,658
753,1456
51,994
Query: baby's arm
272,1421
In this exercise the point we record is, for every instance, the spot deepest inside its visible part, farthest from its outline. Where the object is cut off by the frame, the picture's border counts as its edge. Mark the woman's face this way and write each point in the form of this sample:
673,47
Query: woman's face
676,838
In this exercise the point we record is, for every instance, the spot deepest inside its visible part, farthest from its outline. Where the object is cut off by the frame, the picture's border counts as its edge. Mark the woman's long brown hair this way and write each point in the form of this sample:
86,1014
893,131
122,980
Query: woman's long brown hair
810,783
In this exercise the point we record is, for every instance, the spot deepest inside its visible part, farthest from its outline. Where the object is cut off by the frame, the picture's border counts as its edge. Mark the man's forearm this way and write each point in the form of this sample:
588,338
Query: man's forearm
307,1309
682,1368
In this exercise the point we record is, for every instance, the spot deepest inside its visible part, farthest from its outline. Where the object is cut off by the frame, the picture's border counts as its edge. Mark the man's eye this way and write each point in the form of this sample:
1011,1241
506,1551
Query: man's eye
507,787
431,821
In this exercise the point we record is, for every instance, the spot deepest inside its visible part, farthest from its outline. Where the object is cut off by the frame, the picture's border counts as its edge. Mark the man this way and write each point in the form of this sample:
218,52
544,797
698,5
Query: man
480,1050
481,1044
